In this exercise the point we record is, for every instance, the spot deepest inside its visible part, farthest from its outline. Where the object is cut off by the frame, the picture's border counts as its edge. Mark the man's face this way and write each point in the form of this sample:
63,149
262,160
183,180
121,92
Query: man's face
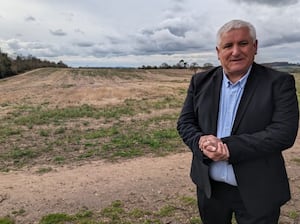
236,51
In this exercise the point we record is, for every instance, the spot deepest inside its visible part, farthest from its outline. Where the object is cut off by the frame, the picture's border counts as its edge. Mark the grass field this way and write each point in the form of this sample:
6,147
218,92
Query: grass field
54,117
33,132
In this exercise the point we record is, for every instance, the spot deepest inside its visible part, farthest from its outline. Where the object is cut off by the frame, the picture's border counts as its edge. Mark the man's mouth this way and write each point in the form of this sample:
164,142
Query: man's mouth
236,60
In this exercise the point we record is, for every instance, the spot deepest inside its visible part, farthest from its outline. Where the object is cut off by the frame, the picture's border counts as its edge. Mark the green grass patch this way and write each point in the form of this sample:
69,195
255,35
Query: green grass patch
127,74
41,115
57,218
293,215
6,131
43,170
46,134
6,220
297,160
120,213
167,210
189,201
156,135
174,209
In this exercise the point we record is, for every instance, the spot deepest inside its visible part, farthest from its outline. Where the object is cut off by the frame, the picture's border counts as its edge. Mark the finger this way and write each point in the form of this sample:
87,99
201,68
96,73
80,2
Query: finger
227,150
220,153
211,148
221,147
201,141
208,153
205,144
223,150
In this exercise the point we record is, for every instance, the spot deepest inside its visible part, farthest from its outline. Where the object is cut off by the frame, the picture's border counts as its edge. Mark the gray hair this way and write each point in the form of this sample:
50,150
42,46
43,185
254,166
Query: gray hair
236,24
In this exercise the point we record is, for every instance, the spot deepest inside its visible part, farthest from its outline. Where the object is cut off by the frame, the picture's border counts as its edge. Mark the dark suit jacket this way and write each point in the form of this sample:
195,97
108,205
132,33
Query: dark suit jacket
266,123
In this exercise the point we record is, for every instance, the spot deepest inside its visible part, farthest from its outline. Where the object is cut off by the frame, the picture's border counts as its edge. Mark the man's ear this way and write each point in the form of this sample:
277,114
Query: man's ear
217,49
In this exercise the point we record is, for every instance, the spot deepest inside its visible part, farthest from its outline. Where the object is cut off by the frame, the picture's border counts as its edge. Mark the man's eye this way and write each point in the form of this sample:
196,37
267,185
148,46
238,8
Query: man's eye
227,46
244,43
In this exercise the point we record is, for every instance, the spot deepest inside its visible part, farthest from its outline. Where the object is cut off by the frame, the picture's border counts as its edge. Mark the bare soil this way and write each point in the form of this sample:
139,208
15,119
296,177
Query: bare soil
142,182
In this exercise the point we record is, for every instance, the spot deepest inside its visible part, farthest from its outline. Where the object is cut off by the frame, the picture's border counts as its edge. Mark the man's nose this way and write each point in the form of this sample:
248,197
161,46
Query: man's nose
236,50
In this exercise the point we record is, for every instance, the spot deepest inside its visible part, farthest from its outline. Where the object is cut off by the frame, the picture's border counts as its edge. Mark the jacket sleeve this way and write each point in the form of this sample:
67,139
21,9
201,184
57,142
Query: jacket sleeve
279,134
187,125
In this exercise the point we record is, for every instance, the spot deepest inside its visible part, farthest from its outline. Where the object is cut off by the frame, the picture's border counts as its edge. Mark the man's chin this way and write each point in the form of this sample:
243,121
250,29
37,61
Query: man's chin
238,70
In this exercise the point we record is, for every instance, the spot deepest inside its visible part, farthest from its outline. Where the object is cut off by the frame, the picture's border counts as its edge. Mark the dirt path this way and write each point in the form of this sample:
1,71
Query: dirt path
93,186
97,184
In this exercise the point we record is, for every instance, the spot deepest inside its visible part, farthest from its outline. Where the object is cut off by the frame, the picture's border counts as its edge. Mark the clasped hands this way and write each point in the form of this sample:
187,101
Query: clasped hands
213,148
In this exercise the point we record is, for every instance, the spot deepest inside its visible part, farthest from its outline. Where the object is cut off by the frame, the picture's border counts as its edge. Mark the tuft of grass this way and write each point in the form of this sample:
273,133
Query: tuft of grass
189,201
114,212
58,218
6,220
59,159
297,160
19,212
84,214
60,130
293,215
19,153
167,210
5,104
44,133
138,213
195,220
6,131
44,170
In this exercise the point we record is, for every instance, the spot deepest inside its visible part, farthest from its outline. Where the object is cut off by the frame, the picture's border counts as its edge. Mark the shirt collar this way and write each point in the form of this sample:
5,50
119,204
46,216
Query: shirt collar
241,82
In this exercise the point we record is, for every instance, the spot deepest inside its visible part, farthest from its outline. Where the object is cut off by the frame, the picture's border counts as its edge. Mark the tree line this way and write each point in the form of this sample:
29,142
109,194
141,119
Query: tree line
194,66
13,66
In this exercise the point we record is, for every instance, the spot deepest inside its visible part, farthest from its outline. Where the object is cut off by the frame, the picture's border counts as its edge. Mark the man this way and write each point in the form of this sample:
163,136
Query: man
237,119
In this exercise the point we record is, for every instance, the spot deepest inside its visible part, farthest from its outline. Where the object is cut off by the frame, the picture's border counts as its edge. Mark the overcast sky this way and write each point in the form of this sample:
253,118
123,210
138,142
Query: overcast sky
143,32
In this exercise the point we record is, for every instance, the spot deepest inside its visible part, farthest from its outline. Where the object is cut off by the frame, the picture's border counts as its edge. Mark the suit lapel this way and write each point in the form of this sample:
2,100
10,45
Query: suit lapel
216,89
252,82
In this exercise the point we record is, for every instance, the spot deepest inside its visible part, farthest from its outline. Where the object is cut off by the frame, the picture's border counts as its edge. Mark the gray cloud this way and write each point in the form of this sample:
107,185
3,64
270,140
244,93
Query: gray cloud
68,15
179,1
113,40
281,39
84,44
78,31
30,19
184,32
176,8
164,41
269,2
277,31
14,44
58,32
112,31
108,51
37,45
37,49
177,26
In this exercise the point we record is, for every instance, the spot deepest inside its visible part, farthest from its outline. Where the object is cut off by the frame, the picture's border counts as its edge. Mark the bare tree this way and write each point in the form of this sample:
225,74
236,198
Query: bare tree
194,67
